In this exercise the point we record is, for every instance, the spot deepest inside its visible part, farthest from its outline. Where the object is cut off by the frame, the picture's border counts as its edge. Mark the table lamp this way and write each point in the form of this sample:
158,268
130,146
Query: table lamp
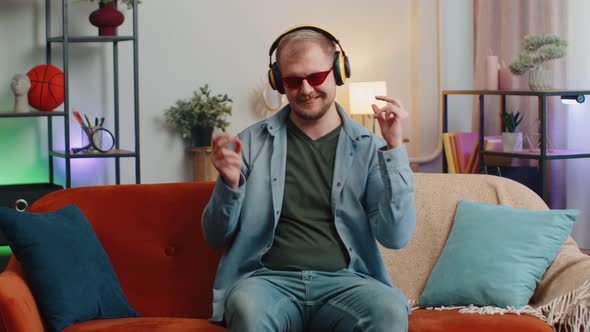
362,96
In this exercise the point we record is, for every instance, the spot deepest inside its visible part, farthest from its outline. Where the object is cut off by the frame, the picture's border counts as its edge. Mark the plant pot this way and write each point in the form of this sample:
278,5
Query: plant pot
540,79
512,141
107,18
201,136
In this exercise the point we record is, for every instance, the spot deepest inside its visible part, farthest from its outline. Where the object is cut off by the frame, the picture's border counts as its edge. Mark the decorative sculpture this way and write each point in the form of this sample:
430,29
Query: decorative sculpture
20,87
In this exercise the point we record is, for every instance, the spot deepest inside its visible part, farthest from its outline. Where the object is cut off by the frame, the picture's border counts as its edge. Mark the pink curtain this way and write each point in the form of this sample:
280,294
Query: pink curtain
499,27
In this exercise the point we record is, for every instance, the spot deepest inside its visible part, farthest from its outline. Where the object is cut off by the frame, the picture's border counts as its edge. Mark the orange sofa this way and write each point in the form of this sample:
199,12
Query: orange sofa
152,234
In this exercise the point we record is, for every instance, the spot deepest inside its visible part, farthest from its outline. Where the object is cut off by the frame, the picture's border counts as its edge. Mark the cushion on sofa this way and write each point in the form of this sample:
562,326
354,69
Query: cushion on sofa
496,255
65,265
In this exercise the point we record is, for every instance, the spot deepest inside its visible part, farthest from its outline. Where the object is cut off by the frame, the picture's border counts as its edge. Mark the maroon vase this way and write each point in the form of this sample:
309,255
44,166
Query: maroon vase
107,18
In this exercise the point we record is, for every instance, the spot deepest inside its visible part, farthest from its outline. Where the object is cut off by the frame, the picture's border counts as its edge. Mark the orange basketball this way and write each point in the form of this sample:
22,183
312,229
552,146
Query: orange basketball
47,87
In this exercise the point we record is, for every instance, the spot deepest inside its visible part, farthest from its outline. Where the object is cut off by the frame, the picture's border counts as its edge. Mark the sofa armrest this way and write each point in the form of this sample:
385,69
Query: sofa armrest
563,295
18,308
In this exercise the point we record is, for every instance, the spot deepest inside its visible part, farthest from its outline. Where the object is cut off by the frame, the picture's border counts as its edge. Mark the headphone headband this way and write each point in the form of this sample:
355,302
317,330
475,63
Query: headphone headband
324,32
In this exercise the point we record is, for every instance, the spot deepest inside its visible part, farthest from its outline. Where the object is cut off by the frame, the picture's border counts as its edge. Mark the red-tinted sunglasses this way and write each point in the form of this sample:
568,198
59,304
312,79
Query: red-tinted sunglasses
314,79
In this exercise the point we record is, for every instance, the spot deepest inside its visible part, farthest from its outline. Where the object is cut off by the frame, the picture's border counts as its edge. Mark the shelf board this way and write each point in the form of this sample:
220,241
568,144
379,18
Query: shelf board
93,154
551,154
90,39
555,92
11,114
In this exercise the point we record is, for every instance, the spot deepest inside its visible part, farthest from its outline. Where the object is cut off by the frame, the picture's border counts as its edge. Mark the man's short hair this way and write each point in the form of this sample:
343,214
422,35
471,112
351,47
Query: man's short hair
327,45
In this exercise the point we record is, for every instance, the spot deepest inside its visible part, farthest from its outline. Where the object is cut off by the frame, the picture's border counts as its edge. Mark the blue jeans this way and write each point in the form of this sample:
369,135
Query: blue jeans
296,301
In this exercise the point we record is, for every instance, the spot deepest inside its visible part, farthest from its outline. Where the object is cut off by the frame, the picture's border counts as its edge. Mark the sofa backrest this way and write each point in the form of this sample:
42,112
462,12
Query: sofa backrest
152,234
436,197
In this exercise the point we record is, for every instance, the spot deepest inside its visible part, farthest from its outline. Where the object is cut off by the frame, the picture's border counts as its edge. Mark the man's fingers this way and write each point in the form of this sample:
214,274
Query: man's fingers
237,145
376,110
389,111
226,141
220,141
390,100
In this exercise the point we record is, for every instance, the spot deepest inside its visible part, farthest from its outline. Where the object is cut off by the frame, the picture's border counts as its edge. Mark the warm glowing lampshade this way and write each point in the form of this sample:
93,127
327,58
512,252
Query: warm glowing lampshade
362,96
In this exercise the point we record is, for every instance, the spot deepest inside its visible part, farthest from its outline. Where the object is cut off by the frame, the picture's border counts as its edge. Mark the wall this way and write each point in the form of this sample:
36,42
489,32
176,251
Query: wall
189,43
456,73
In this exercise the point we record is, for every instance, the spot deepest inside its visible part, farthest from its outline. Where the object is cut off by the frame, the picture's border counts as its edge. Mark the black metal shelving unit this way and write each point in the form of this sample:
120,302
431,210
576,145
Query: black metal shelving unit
543,154
66,40
9,194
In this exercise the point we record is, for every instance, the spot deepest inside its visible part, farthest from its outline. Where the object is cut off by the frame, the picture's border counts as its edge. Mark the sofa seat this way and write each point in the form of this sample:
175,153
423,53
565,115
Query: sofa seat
151,324
423,320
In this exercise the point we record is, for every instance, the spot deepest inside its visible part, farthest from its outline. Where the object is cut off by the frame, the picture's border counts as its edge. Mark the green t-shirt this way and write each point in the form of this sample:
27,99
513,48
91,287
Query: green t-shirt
305,236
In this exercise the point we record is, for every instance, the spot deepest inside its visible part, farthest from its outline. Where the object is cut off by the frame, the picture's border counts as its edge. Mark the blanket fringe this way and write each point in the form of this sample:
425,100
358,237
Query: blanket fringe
570,312
491,310
567,313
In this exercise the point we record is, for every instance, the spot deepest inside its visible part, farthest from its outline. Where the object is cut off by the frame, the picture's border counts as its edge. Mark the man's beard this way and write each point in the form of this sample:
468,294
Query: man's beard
311,117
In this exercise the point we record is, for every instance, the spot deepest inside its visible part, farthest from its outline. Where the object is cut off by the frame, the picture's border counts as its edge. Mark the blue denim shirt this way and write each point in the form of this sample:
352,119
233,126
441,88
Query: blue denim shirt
372,199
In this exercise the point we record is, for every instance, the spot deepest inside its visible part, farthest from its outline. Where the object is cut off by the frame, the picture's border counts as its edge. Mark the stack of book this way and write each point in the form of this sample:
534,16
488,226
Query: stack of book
462,152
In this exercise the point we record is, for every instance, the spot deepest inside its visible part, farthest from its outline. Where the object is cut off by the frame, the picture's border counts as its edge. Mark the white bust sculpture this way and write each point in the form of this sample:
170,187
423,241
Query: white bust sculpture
20,87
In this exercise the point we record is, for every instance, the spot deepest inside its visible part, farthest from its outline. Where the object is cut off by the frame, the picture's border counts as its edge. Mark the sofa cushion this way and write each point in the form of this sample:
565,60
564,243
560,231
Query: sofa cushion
65,265
422,320
151,324
496,255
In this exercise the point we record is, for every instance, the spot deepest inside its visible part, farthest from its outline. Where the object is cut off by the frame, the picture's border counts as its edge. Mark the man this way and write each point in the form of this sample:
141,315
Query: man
301,199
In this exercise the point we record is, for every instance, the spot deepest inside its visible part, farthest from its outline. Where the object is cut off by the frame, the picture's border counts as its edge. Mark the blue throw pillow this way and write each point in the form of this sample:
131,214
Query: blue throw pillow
496,255
65,265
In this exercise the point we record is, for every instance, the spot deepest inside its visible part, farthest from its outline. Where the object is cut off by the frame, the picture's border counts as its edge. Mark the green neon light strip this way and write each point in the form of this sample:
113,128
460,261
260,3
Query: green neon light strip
5,251
24,159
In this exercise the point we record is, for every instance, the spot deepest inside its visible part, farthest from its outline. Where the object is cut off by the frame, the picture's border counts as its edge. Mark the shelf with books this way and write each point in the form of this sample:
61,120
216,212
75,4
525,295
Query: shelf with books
543,151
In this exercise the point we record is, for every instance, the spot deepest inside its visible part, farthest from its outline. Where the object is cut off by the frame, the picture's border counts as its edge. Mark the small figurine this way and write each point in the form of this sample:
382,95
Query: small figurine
20,87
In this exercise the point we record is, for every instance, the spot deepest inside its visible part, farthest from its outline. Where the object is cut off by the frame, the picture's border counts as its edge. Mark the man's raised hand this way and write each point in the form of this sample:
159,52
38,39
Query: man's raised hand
226,156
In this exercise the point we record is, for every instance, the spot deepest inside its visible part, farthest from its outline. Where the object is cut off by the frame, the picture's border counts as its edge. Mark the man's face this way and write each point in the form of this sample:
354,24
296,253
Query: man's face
308,102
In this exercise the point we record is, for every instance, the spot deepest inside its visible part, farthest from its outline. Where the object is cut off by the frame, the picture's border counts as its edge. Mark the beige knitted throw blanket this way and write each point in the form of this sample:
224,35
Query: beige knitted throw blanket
562,298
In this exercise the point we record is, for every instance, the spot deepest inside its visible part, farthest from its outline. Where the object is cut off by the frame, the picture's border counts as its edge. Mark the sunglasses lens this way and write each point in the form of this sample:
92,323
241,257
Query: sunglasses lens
314,79
292,82
317,78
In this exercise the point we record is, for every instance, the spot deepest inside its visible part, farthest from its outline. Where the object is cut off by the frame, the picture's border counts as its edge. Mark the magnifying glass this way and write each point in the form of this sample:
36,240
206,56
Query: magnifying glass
101,140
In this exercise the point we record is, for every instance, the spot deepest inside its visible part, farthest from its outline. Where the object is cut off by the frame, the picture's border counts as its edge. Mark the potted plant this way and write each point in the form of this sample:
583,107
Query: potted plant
511,140
196,117
536,50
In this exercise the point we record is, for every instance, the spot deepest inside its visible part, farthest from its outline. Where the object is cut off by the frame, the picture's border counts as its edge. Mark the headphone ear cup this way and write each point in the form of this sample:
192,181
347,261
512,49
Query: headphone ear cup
346,67
274,78
338,68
